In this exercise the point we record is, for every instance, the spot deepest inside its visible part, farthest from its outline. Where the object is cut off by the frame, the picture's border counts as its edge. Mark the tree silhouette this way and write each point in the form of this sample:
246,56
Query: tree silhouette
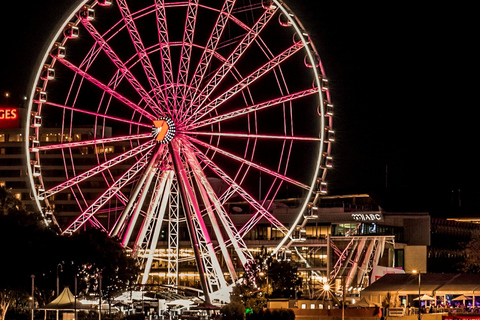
471,249
30,248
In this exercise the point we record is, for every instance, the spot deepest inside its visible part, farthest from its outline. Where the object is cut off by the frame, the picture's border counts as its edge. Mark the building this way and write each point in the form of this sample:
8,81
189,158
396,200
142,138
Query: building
344,241
445,254
13,163
441,289
13,166
349,242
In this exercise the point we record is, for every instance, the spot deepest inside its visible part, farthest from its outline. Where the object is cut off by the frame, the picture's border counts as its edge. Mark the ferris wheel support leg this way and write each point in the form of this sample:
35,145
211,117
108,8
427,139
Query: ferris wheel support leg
120,224
173,230
354,267
142,185
155,220
207,192
202,185
136,211
183,182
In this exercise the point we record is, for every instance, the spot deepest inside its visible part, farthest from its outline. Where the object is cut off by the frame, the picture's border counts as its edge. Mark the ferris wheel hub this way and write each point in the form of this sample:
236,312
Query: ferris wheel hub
163,130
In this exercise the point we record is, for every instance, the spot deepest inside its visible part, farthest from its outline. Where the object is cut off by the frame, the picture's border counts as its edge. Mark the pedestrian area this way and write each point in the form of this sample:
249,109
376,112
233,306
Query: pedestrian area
437,292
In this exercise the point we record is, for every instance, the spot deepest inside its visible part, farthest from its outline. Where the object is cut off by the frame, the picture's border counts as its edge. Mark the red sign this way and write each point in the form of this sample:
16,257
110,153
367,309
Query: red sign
9,118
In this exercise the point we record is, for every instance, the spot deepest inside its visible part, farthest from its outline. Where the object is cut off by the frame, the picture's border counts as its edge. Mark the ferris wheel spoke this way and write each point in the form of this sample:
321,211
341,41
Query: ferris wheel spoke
96,114
108,194
237,188
140,49
165,54
248,80
250,164
121,66
185,55
93,171
251,136
226,67
209,50
250,109
106,88
93,142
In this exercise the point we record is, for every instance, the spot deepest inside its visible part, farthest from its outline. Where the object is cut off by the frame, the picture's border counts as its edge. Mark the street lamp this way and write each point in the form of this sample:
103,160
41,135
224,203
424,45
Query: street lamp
419,291
326,292
58,278
33,292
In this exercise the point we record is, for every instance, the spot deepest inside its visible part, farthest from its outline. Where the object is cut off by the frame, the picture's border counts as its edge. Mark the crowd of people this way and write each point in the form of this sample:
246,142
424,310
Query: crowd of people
439,308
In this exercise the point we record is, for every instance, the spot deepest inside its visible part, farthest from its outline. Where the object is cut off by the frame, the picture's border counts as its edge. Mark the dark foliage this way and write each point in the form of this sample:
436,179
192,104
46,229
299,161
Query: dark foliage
30,248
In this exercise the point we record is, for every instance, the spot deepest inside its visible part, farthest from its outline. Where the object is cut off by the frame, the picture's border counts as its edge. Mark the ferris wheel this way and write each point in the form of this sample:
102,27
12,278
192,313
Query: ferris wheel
153,117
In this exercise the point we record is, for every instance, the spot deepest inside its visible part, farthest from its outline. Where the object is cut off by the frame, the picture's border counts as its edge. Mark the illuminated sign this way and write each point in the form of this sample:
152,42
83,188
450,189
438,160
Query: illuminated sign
366,216
9,118
163,129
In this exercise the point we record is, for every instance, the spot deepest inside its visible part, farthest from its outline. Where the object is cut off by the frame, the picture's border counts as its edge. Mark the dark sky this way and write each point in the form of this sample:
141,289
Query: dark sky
401,78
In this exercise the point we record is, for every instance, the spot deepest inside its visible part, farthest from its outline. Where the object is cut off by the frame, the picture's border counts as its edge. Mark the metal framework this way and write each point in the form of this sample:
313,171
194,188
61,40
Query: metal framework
158,99
358,256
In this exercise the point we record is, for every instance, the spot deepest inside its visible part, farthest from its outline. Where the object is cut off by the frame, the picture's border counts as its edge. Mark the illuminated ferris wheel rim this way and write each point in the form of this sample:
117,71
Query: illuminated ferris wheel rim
182,129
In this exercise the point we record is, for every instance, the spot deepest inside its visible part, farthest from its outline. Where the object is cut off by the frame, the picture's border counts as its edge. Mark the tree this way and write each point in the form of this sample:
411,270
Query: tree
22,236
250,294
96,256
30,248
283,278
471,249
8,203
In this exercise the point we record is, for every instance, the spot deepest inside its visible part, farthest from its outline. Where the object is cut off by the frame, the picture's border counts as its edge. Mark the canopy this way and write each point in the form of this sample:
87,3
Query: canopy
425,297
205,306
364,303
65,301
461,298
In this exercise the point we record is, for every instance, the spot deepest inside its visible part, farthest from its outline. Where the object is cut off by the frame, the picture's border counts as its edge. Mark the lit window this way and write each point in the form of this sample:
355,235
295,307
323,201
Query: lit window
304,306
312,306
15,138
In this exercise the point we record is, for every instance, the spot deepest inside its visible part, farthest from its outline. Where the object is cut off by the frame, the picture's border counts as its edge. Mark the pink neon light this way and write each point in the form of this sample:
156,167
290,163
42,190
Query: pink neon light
80,110
195,84
231,61
107,89
247,110
140,48
108,194
121,66
237,188
93,171
208,108
251,136
93,142
251,164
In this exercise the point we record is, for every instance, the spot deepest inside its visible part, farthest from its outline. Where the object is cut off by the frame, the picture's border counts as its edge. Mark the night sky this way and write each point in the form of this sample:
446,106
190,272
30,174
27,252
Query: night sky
401,78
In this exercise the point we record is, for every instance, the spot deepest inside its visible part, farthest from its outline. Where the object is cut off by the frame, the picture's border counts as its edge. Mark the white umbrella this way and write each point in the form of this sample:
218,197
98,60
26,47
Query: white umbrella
425,297
461,298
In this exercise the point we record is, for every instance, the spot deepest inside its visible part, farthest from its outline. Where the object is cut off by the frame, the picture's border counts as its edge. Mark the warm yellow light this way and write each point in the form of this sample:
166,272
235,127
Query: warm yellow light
414,271
326,287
